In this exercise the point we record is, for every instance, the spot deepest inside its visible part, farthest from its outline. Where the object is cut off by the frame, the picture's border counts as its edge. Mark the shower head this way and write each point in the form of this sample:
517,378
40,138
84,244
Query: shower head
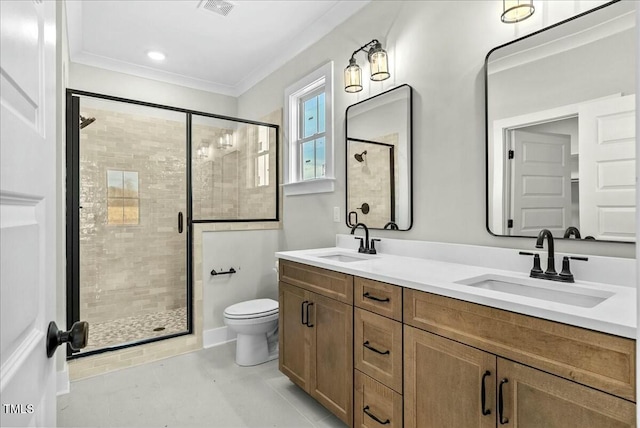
86,121
360,156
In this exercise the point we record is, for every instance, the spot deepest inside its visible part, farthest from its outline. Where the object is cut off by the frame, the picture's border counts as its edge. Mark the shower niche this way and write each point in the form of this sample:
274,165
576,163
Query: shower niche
139,176
378,160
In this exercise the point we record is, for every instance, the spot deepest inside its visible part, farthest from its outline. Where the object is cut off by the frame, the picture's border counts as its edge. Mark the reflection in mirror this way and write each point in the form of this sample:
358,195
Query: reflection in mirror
561,129
378,161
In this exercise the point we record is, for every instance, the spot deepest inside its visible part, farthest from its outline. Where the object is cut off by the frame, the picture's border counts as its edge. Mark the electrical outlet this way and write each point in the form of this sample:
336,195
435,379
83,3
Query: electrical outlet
336,214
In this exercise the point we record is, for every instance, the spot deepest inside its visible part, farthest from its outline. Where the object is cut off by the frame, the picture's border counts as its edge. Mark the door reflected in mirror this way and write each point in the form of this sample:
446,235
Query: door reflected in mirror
561,129
378,161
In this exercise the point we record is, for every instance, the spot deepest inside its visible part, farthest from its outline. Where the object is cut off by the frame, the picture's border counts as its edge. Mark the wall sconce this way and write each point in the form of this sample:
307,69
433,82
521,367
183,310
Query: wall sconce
516,10
225,141
203,151
379,66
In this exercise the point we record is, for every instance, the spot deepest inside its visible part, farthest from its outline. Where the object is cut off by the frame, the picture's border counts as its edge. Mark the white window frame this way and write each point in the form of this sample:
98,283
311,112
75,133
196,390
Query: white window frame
293,185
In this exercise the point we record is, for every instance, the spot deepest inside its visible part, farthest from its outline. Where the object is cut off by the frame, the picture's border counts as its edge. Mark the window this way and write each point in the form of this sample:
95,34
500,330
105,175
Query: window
309,121
262,159
123,200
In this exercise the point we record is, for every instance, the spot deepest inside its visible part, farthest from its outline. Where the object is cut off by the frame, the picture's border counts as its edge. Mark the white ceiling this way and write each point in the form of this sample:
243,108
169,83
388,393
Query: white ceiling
203,49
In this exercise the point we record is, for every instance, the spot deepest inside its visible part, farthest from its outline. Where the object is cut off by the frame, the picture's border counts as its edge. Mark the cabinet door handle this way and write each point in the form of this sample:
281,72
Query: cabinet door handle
308,323
377,299
302,311
180,221
366,345
503,420
483,394
374,417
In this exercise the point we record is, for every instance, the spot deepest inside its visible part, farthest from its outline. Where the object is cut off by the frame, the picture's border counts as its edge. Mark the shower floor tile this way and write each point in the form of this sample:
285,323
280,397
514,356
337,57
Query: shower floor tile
136,328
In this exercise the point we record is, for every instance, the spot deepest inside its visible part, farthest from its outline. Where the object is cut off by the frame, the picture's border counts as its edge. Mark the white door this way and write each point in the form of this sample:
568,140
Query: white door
541,183
27,211
607,165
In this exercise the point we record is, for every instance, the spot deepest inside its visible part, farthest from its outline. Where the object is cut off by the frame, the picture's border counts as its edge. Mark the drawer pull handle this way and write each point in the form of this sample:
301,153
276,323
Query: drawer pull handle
503,420
374,417
308,323
366,345
483,394
302,313
377,299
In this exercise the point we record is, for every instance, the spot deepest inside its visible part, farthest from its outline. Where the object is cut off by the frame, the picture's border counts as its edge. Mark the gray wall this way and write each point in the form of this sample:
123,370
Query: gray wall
107,82
437,47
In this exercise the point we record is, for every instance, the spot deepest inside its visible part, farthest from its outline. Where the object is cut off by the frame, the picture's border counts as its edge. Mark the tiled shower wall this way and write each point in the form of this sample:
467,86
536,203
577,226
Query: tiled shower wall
140,268
224,180
369,181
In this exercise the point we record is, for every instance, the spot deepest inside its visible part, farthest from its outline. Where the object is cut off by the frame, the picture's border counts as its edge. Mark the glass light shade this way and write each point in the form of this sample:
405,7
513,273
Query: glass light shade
225,141
379,64
352,77
516,10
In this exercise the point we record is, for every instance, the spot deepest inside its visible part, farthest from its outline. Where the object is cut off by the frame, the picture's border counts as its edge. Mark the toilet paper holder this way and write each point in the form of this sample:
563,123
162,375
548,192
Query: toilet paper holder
231,271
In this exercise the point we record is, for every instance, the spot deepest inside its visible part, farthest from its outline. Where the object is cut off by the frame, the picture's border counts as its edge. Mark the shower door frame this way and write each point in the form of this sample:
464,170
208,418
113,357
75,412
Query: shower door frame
73,208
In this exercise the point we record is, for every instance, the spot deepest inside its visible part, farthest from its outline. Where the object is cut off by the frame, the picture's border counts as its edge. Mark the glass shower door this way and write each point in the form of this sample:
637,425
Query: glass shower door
132,252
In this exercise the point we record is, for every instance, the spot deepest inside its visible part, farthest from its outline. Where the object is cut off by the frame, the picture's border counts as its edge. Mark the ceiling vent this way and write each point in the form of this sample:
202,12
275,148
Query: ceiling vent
220,7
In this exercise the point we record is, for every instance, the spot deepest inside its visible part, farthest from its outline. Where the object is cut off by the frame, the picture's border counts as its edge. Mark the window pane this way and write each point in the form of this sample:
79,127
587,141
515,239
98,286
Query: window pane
130,211
320,157
130,184
308,164
114,184
321,113
114,211
310,121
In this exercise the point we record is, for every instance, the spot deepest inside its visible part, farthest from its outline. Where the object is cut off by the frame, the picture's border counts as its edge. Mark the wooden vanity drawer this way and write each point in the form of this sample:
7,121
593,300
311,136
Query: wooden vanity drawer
328,283
379,297
378,348
595,359
374,401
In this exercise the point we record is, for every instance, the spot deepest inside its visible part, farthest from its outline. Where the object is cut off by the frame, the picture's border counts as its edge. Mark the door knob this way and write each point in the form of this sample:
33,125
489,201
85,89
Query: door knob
76,337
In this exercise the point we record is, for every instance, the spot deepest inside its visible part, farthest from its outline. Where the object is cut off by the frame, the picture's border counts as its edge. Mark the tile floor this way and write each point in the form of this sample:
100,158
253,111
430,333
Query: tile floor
134,328
200,389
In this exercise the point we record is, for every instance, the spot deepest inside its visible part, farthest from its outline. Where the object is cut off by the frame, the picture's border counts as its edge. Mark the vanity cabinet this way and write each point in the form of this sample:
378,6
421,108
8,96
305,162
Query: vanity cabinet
377,354
577,377
451,384
316,334
403,357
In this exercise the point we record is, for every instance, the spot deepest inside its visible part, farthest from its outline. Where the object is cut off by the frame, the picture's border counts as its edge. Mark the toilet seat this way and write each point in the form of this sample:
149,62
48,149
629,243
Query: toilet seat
251,309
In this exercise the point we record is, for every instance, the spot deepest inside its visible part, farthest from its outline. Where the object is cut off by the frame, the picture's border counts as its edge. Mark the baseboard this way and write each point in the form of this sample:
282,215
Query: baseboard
217,336
62,381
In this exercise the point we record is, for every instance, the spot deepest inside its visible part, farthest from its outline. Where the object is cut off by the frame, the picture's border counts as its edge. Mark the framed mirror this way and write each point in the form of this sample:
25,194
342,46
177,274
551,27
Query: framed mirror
560,122
378,160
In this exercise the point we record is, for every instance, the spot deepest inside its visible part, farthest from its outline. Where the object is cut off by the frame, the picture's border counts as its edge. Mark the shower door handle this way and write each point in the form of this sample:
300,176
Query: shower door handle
180,222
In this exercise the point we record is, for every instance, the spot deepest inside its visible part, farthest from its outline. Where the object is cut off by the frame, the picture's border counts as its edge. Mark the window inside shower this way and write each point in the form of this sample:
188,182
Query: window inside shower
139,176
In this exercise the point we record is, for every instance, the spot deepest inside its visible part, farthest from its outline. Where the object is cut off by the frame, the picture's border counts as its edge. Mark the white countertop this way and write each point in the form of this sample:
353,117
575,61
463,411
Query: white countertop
615,315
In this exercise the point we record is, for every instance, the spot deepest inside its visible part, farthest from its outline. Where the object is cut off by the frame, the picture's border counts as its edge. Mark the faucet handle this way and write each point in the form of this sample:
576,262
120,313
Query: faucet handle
566,274
372,249
536,270
361,249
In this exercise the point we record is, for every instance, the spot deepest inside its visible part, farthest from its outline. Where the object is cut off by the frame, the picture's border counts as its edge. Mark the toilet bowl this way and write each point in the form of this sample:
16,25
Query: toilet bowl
256,324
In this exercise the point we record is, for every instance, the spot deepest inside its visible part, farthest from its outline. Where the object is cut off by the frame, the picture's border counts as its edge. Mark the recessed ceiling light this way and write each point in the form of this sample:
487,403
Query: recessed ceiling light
155,55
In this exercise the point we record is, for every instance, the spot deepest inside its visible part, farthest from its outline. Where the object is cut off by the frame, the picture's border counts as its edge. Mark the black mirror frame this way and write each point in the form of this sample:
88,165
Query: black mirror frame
486,120
409,150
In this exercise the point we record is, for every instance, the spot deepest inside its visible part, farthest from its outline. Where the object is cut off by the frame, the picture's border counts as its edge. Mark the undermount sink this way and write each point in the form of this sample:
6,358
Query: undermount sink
538,289
344,258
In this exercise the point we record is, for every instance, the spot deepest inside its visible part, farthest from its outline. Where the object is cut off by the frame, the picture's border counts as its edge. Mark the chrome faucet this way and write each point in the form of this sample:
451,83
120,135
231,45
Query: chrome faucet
364,246
545,233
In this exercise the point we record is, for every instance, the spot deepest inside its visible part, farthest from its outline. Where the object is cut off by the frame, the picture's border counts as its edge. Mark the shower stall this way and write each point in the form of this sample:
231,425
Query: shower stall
138,176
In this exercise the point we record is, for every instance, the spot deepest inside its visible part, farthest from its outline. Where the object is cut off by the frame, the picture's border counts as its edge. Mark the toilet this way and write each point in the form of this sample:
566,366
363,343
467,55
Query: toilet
256,324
